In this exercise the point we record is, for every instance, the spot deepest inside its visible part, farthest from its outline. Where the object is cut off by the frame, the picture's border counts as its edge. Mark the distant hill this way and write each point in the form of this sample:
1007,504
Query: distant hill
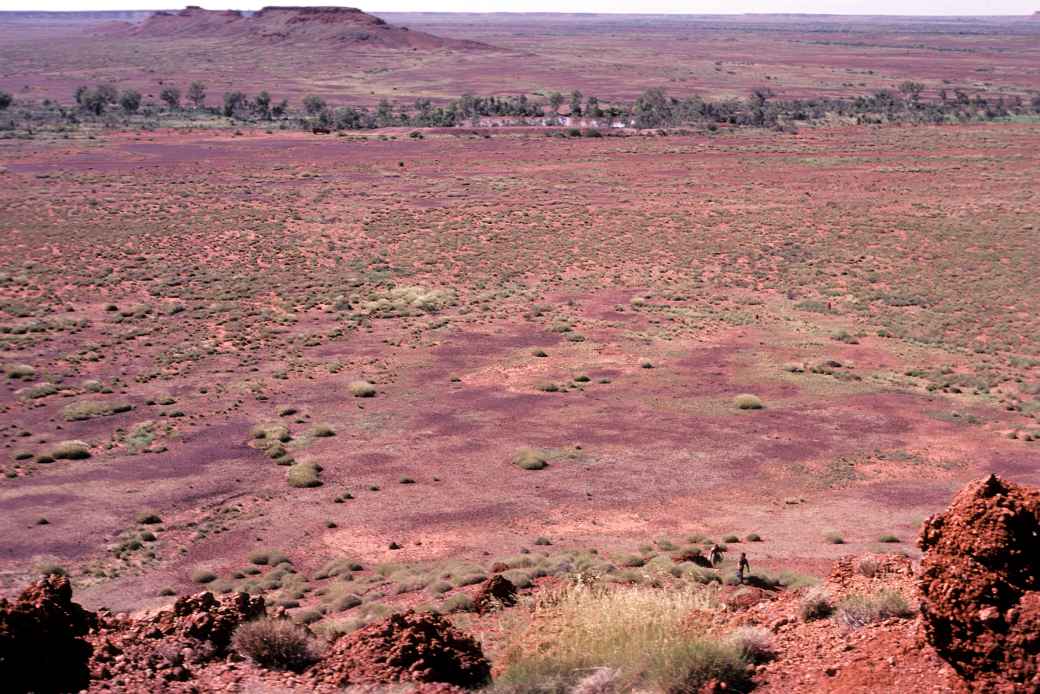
342,25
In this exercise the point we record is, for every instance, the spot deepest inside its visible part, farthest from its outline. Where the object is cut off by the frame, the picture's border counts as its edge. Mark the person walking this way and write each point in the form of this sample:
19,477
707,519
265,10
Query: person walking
742,566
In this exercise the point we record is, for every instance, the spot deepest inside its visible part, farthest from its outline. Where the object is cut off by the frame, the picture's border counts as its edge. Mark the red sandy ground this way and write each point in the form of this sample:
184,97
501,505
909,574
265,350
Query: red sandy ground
259,237
612,57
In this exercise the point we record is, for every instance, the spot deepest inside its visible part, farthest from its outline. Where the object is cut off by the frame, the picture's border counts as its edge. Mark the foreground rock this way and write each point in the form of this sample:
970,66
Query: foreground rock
171,644
407,647
494,594
980,585
41,644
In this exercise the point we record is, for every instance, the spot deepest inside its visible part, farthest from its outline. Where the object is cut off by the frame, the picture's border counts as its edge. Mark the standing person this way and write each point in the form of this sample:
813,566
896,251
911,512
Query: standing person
743,566
715,555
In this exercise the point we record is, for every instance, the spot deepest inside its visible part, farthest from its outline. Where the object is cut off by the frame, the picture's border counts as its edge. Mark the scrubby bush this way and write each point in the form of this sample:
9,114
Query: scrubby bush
5,100
530,459
888,538
130,100
859,610
277,644
754,643
834,538
815,604
303,475
746,401
70,450
88,409
203,576
362,389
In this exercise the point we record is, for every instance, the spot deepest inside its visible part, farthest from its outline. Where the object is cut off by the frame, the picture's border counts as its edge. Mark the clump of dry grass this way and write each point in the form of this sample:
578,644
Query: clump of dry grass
303,475
861,609
746,401
277,644
640,633
362,389
88,409
70,450
530,459
815,604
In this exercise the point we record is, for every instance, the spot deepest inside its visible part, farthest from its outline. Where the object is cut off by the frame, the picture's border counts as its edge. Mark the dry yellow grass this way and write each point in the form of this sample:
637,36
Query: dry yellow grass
641,634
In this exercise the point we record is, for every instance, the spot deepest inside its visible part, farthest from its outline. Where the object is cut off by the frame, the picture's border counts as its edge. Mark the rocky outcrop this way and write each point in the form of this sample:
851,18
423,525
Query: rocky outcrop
170,645
312,25
980,585
494,594
41,644
407,647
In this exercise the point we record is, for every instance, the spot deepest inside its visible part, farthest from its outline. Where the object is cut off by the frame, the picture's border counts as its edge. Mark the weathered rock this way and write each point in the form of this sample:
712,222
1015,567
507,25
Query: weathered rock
407,647
980,585
41,649
495,593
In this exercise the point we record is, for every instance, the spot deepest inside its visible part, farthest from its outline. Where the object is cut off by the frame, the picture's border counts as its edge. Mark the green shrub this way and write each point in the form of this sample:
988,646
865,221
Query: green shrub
148,518
277,644
834,538
889,539
753,537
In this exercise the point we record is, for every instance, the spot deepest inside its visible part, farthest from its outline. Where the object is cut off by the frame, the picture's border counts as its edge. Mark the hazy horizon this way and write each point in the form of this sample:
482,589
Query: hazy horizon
721,7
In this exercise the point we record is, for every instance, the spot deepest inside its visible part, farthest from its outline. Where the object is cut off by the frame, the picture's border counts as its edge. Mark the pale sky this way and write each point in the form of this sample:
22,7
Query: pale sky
892,7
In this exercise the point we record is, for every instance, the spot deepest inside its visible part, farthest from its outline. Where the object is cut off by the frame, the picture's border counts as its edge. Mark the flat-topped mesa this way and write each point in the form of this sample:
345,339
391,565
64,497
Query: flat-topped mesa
342,26
323,13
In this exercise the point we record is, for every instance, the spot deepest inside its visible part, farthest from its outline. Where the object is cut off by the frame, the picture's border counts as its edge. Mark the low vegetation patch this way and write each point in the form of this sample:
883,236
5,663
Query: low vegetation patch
303,475
362,389
278,644
746,401
641,634
530,459
88,409
859,610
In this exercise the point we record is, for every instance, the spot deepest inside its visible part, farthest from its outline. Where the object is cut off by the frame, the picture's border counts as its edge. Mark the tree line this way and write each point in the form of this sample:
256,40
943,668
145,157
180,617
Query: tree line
654,108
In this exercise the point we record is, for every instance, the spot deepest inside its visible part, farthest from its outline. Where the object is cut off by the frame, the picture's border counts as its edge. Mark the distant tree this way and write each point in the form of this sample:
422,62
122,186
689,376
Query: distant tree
197,94
576,102
108,93
555,101
91,100
911,90
313,105
233,102
130,100
262,105
172,97
384,113
5,100
592,107
279,109
652,109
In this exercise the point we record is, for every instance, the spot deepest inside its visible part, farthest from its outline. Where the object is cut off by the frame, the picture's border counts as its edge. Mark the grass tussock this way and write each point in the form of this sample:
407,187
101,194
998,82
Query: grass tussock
861,609
746,401
277,644
88,409
303,475
640,634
